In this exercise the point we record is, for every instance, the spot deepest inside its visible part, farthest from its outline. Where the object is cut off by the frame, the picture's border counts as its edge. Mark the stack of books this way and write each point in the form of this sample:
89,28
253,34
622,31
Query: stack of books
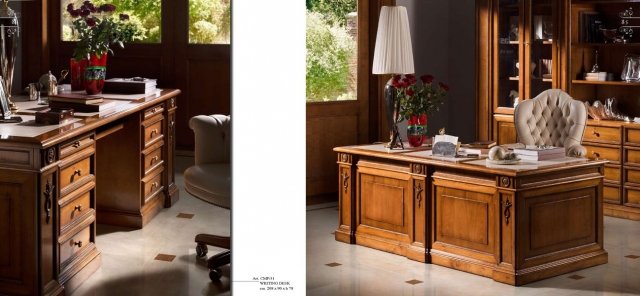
535,153
80,102
130,86
597,76
479,147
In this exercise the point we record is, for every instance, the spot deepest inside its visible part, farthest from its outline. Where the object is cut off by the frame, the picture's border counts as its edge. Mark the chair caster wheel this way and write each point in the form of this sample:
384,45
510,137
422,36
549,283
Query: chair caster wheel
214,275
201,250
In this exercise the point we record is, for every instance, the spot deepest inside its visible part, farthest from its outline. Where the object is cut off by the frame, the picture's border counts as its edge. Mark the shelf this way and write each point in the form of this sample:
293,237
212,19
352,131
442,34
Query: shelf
513,42
514,78
614,45
543,41
620,83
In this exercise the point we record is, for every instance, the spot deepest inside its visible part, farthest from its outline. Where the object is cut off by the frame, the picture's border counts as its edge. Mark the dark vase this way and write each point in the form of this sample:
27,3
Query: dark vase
417,129
77,73
95,73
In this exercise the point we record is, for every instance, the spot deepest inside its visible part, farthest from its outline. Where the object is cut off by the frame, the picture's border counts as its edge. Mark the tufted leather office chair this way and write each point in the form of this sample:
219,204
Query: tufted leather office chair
552,118
210,180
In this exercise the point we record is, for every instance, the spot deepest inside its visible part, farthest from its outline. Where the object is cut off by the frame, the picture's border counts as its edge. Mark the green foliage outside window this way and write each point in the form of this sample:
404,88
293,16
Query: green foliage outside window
330,51
209,20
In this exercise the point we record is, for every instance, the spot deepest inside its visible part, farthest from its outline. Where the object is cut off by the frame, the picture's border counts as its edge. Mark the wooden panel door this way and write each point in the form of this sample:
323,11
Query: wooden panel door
17,233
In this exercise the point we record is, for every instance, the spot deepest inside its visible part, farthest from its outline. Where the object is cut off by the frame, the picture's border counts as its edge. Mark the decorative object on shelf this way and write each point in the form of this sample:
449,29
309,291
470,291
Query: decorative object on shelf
613,36
546,66
533,67
543,26
416,102
9,34
514,97
590,24
393,55
631,68
96,29
513,28
607,111
34,91
626,27
595,68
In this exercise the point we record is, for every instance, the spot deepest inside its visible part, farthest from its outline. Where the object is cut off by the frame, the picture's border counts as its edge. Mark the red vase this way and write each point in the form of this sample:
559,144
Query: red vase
77,73
95,73
417,129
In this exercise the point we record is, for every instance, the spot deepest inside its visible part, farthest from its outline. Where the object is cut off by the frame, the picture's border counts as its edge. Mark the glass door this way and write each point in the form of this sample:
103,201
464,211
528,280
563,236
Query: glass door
539,47
510,37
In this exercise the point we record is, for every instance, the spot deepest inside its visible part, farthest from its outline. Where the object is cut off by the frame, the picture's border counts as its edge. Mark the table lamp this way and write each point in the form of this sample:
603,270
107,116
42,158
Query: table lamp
393,55
9,34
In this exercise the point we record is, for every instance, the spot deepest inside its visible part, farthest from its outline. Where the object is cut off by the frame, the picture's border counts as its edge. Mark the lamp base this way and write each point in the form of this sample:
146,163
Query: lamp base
14,108
392,113
395,140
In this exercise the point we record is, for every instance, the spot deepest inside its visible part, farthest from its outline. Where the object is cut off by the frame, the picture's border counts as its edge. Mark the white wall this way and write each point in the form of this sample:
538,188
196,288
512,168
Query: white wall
443,39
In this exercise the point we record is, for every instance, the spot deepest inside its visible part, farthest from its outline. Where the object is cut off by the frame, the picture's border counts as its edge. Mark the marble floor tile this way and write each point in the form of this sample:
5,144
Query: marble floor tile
365,271
128,255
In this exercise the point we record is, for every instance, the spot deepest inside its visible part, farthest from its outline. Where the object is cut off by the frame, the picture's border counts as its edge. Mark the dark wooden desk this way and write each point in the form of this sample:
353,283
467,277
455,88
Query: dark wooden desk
55,181
513,224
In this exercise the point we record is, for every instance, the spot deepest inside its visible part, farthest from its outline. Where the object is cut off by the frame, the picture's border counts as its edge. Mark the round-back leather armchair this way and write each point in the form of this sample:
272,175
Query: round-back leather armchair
552,118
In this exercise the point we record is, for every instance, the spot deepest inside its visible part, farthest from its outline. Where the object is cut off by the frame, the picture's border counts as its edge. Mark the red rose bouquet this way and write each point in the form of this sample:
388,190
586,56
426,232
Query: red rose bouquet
417,99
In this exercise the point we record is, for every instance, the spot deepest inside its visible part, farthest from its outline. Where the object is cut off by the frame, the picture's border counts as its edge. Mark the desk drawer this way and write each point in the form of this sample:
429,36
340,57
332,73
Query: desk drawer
612,174
152,130
632,136
632,156
602,134
157,109
611,194
152,185
632,196
73,245
74,146
632,176
152,160
75,172
74,209
605,153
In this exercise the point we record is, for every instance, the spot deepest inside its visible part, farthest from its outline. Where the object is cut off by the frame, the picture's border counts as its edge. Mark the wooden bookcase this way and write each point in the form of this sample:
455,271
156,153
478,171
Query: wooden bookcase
572,55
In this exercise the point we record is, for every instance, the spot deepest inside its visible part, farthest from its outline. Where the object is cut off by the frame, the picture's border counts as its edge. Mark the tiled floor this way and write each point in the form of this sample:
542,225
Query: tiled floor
335,268
160,258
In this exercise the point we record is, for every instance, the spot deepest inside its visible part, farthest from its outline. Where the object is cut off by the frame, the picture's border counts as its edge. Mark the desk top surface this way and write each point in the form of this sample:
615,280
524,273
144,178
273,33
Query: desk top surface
423,155
28,132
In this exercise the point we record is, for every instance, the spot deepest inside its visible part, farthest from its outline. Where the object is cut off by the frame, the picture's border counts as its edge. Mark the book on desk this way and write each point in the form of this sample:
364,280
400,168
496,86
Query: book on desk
80,102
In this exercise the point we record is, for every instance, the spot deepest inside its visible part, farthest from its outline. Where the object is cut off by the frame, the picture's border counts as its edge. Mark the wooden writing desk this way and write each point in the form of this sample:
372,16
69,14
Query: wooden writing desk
55,181
513,224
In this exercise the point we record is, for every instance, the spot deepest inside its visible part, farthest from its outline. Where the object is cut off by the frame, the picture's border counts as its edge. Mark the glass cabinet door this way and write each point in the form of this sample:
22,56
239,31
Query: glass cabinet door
510,37
539,46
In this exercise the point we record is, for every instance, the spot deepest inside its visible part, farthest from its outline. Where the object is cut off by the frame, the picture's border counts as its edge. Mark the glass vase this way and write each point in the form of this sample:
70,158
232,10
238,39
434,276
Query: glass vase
77,73
95,73
417,129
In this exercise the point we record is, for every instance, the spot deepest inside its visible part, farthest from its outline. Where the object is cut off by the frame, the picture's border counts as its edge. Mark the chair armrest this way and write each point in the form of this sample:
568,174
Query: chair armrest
577,150
212,138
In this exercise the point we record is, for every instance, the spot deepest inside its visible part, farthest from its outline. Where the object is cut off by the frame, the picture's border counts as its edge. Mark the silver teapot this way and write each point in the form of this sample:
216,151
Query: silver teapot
49,82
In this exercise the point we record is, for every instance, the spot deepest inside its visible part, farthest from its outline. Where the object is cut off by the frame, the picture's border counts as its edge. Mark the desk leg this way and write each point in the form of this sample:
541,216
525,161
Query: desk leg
418,249
171,192
346,231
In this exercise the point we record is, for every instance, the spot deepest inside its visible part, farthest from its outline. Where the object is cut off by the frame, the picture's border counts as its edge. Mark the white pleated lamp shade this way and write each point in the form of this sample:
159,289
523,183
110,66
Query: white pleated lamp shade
393,53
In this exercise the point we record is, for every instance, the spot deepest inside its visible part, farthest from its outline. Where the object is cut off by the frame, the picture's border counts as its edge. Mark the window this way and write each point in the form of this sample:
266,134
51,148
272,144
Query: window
209,21
332,31
146,15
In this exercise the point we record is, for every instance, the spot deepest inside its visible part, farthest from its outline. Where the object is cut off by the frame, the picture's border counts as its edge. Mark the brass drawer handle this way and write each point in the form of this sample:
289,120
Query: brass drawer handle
78,208
76,172
153,132
153,110
154,159
154,185
76,144
78,243
595,133
595,154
